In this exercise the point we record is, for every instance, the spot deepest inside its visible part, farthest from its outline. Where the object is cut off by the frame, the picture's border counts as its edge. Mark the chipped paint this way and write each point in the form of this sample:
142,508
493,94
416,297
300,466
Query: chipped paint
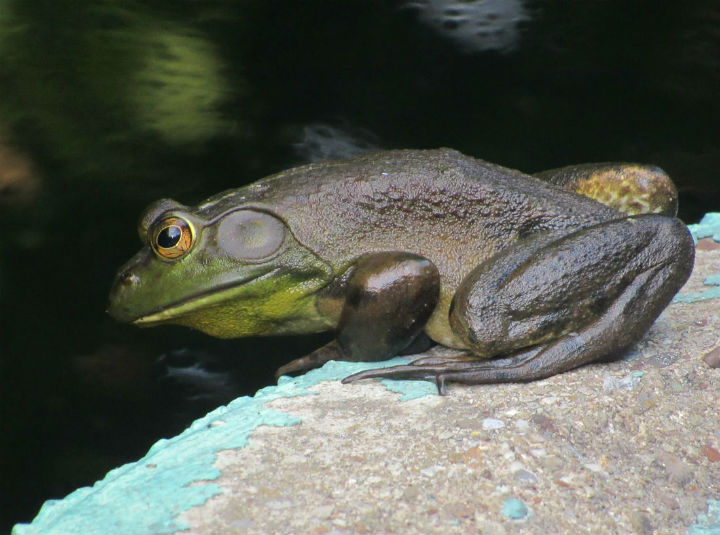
694,297
708,227
515,509
410,389
707,523
177,473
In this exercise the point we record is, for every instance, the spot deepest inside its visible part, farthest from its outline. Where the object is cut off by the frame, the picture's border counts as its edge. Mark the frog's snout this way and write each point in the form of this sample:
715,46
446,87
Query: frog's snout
125,282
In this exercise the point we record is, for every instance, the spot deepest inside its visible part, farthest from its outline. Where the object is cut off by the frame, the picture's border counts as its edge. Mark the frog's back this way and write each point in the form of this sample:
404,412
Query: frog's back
455,210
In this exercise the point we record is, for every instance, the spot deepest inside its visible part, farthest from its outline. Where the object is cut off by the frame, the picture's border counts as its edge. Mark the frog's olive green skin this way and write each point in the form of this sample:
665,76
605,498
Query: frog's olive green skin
385,246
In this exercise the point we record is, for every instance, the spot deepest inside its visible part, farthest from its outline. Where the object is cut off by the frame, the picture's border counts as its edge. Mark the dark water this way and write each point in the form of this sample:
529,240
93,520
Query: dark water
106,106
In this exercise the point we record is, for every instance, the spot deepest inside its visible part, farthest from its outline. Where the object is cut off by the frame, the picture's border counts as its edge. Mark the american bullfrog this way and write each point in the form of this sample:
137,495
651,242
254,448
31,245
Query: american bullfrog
525,276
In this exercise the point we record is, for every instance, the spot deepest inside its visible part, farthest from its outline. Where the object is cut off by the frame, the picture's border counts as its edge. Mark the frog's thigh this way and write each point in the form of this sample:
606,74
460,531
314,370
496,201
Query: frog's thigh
388,298
627,187
588,295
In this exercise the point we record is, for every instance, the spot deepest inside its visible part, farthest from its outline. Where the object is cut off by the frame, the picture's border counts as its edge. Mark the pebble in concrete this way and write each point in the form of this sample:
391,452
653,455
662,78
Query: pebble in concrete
514,509
492,423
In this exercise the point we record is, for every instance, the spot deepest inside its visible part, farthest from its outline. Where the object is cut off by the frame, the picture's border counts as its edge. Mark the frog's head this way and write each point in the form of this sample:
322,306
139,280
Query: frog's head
239,273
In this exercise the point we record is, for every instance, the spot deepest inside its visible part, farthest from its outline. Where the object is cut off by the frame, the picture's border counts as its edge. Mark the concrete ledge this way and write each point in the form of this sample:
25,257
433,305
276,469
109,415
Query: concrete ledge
630,446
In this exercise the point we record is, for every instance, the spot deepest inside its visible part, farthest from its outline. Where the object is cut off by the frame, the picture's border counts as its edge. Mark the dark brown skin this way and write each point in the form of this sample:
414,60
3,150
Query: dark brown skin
598,319
526,278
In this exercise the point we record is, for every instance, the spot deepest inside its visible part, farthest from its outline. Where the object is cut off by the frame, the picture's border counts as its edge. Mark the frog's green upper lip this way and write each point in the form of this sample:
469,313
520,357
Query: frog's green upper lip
203,299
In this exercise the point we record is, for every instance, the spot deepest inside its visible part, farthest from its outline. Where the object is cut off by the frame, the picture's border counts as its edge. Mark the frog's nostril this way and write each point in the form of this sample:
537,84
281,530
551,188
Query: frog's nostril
128,278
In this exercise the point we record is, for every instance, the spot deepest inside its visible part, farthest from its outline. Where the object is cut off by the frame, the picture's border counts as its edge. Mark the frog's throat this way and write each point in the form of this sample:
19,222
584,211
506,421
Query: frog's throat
190,304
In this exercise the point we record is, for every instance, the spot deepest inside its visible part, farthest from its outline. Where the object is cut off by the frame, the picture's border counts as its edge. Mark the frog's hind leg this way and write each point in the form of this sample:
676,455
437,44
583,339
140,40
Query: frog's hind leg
555,305
617,329
628,187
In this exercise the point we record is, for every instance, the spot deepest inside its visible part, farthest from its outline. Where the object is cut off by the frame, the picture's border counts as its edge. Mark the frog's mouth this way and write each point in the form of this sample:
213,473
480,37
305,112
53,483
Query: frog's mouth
218,295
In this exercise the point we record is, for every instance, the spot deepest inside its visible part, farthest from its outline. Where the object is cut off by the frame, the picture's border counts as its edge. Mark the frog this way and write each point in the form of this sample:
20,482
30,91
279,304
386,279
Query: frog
520,276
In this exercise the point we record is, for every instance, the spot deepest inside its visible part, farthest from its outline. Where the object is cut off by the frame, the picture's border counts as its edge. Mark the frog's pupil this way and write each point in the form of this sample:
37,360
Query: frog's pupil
169,236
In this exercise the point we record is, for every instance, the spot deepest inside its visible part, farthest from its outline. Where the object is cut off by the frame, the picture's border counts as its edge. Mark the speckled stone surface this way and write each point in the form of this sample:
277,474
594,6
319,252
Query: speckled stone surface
631,446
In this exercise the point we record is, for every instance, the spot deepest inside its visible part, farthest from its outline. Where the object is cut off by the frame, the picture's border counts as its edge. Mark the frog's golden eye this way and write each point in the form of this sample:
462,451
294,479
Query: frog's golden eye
171,237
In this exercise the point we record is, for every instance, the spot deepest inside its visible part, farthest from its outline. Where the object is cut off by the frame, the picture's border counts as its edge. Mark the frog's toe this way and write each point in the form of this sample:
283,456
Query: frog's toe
445,360
405,371
330,351
295,366
433,369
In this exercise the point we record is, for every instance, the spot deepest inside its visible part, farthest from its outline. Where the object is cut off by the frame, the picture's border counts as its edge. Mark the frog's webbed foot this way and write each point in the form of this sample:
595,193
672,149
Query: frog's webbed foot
388,297
441,370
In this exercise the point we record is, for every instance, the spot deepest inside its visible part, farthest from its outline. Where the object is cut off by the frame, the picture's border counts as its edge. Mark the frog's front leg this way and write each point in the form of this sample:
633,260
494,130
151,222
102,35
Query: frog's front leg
549,304
387,298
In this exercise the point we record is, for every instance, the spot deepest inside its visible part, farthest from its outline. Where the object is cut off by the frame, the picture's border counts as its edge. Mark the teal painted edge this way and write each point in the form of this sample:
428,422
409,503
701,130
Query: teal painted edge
709,227
707,523
410,389
146,496
694,297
